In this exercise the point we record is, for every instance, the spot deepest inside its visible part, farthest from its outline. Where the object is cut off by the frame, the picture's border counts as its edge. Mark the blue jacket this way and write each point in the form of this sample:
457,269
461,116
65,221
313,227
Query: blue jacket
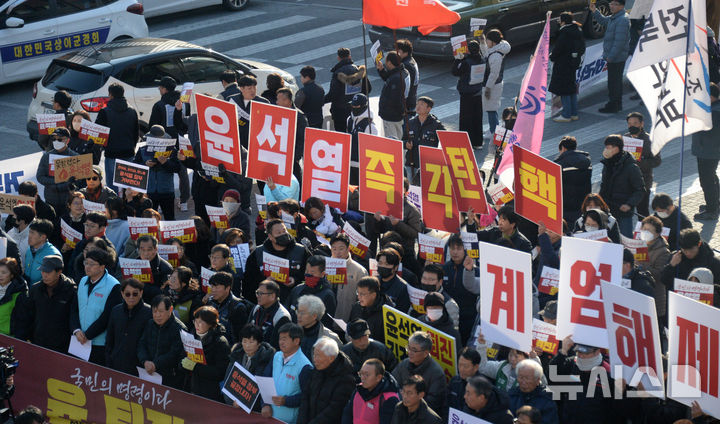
117,231
160,177
283,192
290,379
616,43
92,305
34,260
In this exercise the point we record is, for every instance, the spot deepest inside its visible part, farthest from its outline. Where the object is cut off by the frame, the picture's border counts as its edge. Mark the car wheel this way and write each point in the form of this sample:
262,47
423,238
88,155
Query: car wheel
592,27
235,4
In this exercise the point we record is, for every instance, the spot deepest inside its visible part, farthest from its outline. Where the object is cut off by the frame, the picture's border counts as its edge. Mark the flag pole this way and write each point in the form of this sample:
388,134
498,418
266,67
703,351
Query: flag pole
684,118
367,80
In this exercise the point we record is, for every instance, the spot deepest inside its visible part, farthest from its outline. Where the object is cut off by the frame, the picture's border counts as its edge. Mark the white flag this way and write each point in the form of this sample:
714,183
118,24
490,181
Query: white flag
657,70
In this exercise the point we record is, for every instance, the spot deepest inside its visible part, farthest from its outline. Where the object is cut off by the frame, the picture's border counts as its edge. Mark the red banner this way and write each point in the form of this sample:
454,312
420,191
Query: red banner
138,269
426,15
142,226
184,230
538,189
47,122
459,156
72,390
271,144
219,137
381,175
440,211
326,168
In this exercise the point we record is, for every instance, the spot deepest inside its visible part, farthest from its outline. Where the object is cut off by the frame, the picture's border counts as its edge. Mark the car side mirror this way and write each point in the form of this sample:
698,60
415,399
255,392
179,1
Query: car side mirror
14,22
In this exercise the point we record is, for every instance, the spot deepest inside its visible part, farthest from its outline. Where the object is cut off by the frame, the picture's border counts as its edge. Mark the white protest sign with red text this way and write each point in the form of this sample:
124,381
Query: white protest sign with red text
138,269
701,292
47,122
431,249
505,296
276,268
219,137
634,337
142,226
583,265
69,235
694,356
326,167
184,230
205,275
381,175
597,235
336,270
170,253
271,143
359,244
218,217
549,281
545,336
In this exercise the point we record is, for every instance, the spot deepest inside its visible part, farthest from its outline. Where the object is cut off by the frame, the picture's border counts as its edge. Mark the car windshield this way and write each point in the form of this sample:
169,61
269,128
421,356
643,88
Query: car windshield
73,78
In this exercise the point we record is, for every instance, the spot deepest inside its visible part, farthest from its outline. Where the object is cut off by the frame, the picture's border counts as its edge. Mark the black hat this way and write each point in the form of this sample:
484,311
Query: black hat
168,82
434,299
61,132
581,348
157,131
51,263
550,310
359,100
63,98
358,328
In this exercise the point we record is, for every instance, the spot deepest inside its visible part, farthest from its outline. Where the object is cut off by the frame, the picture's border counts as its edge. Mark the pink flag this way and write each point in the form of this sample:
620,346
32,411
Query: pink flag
530,123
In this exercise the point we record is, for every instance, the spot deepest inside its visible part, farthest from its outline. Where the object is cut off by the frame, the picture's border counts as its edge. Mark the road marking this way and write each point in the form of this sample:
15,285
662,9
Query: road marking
14,105
13,131
249,30
205,23
327,50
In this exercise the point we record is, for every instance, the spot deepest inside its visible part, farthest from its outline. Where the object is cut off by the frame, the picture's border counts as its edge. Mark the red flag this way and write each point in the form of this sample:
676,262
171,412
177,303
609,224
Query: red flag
271,144
425,14
327,167
440,211
381,175
459,156
538,189
219,138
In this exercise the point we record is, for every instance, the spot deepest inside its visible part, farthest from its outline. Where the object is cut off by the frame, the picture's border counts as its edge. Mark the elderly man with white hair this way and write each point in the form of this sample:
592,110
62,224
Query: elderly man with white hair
310,310
330,387
531,390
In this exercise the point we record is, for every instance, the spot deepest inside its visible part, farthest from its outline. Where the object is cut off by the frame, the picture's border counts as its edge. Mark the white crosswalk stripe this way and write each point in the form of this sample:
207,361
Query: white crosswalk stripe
327,50
205,23
250,30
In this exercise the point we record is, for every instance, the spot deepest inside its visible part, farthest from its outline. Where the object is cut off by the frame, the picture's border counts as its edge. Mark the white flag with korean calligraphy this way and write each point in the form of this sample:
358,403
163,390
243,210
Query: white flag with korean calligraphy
657,70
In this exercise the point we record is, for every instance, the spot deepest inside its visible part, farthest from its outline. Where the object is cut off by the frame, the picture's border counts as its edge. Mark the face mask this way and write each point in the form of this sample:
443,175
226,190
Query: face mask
590,228
587,364
607,154
230,207
384,272
428,288
646,236
434,314
58,145
284,240
662,214
311,280
634,130
76,126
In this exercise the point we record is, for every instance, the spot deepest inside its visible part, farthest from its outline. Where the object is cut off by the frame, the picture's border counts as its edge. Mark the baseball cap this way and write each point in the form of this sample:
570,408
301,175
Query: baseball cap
61,132
581,348
550,310
51,263
157,131
358,328
359,100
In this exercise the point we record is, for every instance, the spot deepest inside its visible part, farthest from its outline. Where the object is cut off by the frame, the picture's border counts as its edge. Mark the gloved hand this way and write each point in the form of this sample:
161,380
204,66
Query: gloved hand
188,364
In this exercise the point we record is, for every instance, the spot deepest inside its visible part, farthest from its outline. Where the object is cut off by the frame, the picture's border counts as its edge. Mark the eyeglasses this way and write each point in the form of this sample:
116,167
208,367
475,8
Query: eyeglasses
412,350
363,294
259,293
131,294
92,178
90,225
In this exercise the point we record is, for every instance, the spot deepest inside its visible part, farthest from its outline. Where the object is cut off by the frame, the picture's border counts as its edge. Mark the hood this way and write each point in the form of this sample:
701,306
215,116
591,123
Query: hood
353,77
598,216
17,284
502,47
118,105
575,159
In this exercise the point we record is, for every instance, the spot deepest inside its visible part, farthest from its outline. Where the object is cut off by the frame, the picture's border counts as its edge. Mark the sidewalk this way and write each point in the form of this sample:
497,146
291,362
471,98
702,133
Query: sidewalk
709,230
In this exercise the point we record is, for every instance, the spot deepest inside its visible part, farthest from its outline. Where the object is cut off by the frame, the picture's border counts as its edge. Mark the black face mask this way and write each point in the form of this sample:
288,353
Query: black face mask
428,287
384,272
284,240
634,130
510,123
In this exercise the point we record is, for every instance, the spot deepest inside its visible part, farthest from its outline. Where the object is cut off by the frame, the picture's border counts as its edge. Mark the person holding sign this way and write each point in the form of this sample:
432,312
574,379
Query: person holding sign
233,312
95,191
13,311
549,243
315,284
369,306
647,161
456,270
75,219
437,316
595,220
253,354
160,268
471,72
182,288
665,209
595,201
160,348
62,100
24,216
503,372
205,379
346,294
78,144
161,186
432,281
506,230
640,280
55,193
468,365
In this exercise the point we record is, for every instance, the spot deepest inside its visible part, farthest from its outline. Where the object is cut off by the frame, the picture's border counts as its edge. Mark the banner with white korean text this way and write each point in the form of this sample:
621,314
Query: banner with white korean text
336,270
381,175
271,143
142,226
184,230
701,292
694,353
460,159
138,269
218,130
545,336
431,249
326,167
634,338
505,293
584,264
440,210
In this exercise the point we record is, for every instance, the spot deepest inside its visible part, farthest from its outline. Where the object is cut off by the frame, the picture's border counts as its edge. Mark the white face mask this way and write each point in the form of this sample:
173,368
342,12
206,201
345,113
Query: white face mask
646,236
587,364
230,207
590,228
434,314
58,145
662,214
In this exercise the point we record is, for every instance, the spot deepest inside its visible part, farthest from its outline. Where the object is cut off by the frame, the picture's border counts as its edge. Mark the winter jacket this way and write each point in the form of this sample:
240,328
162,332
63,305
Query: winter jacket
704,259
346,294
13,310
21,238
583,409
84,146
321,290
231,92
453,285
609,221
671,222
456,392
422,134
622,183
362,123
616,42
374,350
55,193
541,398
461,68
446,325
346,81
259,361
327,393
496,409
408,228
309,99
576,175
641,281
122,120
163,346
205,379
658,257
297,254
705,144
160,177
184,303
33,260
392,103
396,290
494,235
269,320
501,372
423,415
413,70
99,196
433,375
291,377
233,314
312,334
374,406
49,316
123,335
118,232
282,192
566,55
159,114
244,117
648,161
95,304
161,270
493,79
373,315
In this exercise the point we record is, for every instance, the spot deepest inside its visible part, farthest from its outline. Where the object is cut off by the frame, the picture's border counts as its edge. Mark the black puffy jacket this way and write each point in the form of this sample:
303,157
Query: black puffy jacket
496,409
205,379
461,68
622,183
375,350
124,330
49,316
327,393
122,120
391,106
345,73
163,346
576,175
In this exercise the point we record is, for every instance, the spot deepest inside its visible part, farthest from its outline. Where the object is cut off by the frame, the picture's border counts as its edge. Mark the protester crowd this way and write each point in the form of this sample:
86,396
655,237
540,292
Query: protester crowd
289,330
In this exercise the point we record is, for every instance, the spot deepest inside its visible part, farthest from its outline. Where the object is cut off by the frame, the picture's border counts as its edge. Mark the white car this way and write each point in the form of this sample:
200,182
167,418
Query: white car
163,7
138,65
34,32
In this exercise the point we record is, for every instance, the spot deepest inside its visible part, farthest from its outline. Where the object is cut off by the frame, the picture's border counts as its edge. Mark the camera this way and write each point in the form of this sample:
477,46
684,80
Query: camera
8,365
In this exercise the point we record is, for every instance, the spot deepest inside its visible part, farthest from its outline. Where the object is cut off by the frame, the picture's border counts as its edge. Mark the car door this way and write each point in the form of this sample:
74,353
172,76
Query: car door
147,80
521,20
28,45
82,23
204,71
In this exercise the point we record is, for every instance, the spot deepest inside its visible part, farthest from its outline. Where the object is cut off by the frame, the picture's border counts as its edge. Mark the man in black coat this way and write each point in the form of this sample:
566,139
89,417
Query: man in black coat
468,366
362,347
404,49
285,99
122,120
693,253
506,230
647,161
470,89
165,108
161,269
61,105
567,57
576,174
233,312
485,401
49,306
622,185
247,85
662,205
422,131
391,106
126,326
347,80
310,97
160,348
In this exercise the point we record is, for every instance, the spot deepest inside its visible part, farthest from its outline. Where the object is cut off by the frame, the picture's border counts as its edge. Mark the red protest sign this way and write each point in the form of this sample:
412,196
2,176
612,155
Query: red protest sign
431,249
219,137
544,336
359,244
170,253
538,189
47,122
381,175
69,235
184,230
276,268
326,168
136,268
467,184
142,226
193,347
90,131
218,217
205,275
271,143
336,270
440,211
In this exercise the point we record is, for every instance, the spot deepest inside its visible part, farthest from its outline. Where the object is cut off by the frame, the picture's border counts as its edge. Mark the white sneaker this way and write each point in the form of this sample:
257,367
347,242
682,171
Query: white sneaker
183,207
561,119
